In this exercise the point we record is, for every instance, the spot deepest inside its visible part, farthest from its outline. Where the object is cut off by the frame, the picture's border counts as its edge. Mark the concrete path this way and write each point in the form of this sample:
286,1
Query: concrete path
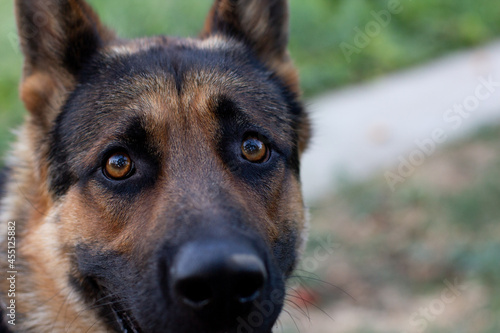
372,127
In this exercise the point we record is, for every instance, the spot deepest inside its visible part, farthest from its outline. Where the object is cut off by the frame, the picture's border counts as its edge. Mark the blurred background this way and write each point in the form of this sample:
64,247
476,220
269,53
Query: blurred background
403,175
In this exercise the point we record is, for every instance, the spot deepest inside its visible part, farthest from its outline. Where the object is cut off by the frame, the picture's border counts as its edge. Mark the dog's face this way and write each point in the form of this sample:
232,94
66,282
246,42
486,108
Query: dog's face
171,165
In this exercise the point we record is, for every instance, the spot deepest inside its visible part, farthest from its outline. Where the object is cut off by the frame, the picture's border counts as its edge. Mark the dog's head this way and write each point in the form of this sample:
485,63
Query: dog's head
171,166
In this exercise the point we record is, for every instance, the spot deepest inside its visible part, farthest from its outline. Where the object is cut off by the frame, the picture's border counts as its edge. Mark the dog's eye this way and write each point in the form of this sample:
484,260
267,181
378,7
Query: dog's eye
254,150
118,166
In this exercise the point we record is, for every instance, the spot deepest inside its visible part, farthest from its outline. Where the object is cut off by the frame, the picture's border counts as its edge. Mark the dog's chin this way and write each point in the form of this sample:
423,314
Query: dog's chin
123,322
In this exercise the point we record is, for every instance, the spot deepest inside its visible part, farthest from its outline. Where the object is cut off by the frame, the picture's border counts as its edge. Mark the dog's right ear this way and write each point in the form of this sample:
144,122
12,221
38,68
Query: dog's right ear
57,38
263,26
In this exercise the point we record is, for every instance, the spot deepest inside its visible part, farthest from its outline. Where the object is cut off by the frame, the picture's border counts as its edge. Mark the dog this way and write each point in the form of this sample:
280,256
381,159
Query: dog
154,186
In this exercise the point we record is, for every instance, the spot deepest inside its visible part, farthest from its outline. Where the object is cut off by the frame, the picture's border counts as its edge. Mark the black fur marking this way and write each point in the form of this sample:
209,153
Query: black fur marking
94,268
4,174
61,176
80,48
4,328
284,250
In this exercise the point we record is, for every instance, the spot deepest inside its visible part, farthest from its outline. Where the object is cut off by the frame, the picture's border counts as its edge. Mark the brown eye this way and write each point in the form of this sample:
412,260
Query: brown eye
118,166
254,150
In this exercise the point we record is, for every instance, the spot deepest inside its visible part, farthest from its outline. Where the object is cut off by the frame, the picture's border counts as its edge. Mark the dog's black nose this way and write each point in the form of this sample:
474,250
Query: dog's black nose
220,278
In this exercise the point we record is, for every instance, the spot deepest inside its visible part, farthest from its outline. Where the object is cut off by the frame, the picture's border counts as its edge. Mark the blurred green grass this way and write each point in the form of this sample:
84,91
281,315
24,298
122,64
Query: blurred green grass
423,30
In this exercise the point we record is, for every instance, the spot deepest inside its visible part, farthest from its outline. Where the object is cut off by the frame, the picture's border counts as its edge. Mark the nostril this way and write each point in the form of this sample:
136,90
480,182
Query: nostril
248,287
249,278
194,292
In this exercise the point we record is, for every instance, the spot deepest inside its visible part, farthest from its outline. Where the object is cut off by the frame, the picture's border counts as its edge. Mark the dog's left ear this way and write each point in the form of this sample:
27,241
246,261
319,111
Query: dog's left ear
262,25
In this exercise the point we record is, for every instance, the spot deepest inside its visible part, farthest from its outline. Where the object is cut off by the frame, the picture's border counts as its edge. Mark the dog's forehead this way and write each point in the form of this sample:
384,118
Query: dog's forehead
178,83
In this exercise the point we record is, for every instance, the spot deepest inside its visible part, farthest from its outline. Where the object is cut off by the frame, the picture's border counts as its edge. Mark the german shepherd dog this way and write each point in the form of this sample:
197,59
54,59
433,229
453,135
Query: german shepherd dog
154,186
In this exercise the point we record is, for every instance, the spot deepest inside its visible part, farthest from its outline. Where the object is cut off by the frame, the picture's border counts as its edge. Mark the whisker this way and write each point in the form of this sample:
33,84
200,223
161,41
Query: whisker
314,305
291,317
300,277
299,308
305,304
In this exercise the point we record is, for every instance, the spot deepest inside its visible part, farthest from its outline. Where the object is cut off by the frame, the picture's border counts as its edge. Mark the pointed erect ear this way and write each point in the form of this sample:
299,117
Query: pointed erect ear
58,34
262,25
57,37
